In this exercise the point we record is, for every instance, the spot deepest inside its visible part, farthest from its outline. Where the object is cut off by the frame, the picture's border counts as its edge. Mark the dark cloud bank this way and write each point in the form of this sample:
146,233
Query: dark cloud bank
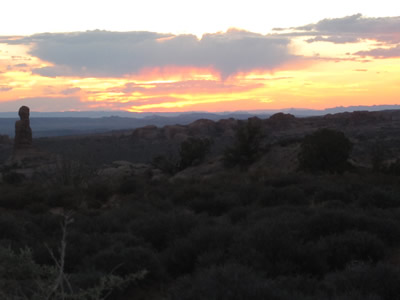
102,53
117,54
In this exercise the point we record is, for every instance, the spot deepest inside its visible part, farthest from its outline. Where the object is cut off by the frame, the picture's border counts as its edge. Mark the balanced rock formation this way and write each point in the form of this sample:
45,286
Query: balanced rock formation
23,131
24,154
26,159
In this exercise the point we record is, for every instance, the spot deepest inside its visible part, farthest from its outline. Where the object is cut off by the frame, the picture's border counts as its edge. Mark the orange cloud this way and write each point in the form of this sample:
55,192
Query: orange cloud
174,73
317,74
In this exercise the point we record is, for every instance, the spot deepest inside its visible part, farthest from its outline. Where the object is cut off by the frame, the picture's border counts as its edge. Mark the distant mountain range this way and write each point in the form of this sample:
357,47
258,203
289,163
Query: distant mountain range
59,126
298,112
87,122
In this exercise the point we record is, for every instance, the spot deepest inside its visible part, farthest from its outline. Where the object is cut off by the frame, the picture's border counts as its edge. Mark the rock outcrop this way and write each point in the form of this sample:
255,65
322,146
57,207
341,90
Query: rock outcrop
23,131
203,127
175,132
149,132
26,159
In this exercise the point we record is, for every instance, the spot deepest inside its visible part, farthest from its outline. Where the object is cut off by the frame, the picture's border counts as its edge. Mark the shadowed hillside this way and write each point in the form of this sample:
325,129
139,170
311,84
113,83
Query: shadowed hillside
142,144
278,208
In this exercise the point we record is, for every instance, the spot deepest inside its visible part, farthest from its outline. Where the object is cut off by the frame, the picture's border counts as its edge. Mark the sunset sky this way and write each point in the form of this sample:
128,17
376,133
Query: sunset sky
198,55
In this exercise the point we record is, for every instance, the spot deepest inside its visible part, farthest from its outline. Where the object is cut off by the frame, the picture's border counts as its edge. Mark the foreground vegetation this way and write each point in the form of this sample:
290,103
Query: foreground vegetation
316,233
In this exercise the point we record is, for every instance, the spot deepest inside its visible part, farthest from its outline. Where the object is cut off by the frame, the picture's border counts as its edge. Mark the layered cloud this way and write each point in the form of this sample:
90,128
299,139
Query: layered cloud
351,29
44,104
70,91
115,54
5,88
332,60
188,86
392,52
384,32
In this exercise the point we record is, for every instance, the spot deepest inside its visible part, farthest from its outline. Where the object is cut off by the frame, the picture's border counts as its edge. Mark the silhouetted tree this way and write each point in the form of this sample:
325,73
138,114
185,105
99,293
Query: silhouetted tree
192,151
166,163
377,152
247,144
325,150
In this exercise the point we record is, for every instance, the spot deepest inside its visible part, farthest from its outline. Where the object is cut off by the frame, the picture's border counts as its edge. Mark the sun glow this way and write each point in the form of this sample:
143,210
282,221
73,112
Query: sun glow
324,75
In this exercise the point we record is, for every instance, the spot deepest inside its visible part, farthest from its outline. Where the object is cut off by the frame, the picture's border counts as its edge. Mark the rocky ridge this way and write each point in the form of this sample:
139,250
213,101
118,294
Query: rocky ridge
282,131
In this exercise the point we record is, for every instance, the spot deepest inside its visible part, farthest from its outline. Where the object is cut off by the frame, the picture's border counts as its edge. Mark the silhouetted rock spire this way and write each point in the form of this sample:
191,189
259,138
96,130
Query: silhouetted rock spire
23,131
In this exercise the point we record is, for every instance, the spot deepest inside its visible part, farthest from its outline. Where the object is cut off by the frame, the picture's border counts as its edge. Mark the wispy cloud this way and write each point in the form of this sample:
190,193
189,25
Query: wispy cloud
188,86
70,91
393,52
44,104
384,32
350,29
5,88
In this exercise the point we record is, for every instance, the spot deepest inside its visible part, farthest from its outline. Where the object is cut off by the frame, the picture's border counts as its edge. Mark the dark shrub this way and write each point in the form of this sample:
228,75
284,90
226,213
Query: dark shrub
11,228
127,186
167,164
329,222
333,192
382,281
379,198
270,248
227,282
17,197
183,192
13,198
290,195
98,192
13,178
297,285
192,151
248,192
247,143
325,150
20,276
211,242
377,154
123,261
351,246
385,228
393,168
64,196
285,180
214,206
238,214
37,208
82,246
161,229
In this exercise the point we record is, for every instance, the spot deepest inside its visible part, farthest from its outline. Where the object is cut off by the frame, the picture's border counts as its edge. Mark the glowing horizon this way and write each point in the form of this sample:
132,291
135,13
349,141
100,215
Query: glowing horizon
346,61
